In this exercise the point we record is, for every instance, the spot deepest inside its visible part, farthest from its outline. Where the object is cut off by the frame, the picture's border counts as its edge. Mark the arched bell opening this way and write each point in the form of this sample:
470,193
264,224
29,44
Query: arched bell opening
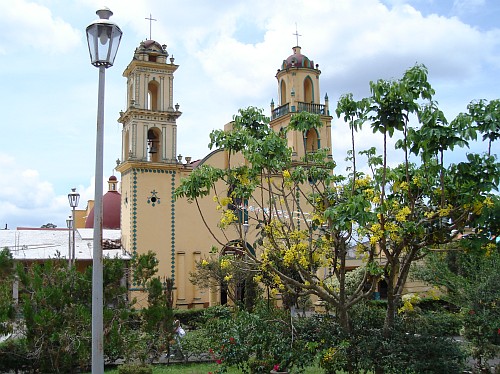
311,141
153,95
154,145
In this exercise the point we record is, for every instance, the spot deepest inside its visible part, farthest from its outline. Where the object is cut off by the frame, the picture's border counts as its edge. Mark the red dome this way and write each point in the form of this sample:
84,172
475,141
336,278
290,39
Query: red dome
297,60
111,204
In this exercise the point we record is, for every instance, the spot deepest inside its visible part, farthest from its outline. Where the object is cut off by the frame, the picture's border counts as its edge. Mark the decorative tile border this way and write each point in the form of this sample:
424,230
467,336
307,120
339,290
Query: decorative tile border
134,217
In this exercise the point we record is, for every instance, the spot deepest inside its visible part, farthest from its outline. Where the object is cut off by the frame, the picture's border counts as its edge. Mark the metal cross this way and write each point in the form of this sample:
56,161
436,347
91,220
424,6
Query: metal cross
297,34
150,23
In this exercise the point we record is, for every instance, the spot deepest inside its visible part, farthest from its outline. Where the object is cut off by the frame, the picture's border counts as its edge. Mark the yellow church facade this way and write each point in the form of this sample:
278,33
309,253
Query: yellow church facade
151,168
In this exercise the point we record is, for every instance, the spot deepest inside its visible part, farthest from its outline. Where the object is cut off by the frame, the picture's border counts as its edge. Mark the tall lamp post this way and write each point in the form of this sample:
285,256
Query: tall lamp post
103,37
73,198
69,225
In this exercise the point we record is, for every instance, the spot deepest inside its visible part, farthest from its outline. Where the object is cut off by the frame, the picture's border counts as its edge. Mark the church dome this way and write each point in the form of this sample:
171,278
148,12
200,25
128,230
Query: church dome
151,48
111,205
297,60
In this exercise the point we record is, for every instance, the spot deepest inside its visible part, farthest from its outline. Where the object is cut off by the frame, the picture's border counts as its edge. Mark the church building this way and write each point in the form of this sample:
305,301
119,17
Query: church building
151,168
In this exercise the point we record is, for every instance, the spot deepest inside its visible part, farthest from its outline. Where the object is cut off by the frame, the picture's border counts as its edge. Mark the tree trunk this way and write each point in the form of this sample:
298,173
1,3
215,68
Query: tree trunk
391,298
344,320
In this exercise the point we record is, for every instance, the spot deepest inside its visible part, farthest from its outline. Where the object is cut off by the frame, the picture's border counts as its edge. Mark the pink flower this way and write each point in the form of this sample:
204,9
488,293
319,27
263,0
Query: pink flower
276,367
219,361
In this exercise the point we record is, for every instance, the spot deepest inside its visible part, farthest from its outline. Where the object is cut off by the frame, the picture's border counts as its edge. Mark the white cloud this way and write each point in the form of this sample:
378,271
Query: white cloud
31,26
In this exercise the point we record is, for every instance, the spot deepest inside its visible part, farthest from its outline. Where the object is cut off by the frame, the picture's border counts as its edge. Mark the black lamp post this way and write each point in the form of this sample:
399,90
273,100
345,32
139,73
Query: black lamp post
103,37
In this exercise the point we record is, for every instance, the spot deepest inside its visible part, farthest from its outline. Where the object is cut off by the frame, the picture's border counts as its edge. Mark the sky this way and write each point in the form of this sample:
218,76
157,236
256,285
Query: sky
228,52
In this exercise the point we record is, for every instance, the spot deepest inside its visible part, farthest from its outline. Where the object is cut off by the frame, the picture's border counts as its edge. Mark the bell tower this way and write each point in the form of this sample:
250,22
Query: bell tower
298,91
149,167
149,123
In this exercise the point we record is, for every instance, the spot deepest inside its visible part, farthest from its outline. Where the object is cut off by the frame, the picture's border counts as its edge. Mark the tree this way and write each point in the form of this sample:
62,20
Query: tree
48,226
468,270
157,317
308,216
302,212
7,310
418,206
56,305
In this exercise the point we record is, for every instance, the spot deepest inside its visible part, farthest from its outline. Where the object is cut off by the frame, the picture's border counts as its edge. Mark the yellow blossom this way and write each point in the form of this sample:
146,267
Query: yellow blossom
228,277
444,212
417,181
204,262
488,202
224,263
403,214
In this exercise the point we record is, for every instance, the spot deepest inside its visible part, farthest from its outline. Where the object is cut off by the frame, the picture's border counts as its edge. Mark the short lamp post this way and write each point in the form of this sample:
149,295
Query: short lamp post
73,198
69,225
103,37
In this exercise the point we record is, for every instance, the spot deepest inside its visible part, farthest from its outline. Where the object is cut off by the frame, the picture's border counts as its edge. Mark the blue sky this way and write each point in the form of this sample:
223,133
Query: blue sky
228,52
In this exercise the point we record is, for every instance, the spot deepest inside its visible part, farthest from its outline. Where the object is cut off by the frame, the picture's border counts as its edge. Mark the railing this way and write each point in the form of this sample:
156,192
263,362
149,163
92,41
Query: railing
301,107
280,111
311,108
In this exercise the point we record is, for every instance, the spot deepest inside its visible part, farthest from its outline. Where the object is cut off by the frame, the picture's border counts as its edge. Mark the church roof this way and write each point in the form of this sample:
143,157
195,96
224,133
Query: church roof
111,206
297,60
42,244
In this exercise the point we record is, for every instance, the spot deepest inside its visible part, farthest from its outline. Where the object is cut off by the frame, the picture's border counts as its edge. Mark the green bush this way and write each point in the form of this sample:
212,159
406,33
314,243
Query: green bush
190,317
442,323
14,355
135,369
255,342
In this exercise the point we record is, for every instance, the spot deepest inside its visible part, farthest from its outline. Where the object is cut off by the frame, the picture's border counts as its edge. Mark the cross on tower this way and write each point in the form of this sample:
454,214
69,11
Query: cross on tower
297,34
150,23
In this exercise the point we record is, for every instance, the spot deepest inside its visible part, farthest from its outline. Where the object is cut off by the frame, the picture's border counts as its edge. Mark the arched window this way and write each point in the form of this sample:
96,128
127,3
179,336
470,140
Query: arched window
153,95
308,91
127,148
283,100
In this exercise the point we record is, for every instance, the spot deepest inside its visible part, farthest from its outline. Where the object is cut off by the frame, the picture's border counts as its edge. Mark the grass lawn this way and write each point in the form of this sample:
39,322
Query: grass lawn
200,369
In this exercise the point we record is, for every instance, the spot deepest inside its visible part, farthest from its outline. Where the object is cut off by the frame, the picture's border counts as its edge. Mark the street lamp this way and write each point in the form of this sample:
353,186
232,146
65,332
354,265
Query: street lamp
73,199
103,37
69,225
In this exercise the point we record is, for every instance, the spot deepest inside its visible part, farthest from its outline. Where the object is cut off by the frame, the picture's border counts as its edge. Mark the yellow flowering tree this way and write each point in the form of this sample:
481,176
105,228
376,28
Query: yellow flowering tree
308,219
422,202
297,248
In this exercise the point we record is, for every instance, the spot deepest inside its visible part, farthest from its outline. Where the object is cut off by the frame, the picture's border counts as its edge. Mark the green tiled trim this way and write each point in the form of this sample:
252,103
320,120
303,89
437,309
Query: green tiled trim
172,202
172,211
133,223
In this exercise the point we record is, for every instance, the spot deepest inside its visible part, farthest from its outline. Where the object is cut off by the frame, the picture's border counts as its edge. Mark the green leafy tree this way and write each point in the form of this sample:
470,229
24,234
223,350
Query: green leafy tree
48,226
468,270
56,306
424,204
308,217
157,317
7,309
301,212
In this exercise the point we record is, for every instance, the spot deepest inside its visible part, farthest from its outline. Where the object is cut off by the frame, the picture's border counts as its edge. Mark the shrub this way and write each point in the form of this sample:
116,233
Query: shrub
190,317
256,342
14,355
